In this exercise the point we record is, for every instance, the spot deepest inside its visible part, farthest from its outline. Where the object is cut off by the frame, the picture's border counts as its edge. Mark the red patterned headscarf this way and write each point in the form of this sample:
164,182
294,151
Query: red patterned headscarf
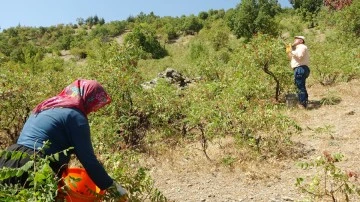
84,95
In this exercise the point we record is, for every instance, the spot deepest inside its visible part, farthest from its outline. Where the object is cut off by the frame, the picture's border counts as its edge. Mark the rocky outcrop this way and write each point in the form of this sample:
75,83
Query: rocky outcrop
172,76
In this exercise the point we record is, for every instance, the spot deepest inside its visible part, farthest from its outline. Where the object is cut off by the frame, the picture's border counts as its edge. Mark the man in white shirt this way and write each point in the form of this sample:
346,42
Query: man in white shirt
299,61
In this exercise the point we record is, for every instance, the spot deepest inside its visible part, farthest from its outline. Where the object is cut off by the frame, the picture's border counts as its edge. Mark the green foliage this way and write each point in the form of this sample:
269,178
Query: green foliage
170,31
219,37
100,32
63,43
224,56
252,17
137,181
290,23
124,85
216,14
229,160
232,94
145,38
29,54
203,15
191,25
42,182
116,27
197,50
330,99
308,9
79,53
349,18
106,31
308,5
330,182
165,112
266,52
146,18
92,20
52,63
345,56
80,39
326,130
15,107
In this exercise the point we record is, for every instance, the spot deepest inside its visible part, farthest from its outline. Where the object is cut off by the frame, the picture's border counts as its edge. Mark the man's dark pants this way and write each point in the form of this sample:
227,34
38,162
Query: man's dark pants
301,73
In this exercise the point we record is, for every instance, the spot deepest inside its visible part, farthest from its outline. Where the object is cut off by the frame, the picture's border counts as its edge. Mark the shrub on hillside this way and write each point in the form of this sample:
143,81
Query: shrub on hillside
191,25
197,50
252,17
349,18
42,180
63,42
308,9
52,63
145,39
116,28
203,15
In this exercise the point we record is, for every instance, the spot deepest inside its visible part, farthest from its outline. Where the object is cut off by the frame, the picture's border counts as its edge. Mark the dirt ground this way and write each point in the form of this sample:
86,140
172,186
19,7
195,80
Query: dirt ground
186,175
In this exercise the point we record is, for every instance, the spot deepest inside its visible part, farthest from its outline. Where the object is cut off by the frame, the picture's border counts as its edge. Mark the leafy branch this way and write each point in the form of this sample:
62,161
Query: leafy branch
330,181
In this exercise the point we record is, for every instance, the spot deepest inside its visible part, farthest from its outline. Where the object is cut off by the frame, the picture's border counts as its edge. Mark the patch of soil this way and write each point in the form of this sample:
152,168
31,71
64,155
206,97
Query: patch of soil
185,174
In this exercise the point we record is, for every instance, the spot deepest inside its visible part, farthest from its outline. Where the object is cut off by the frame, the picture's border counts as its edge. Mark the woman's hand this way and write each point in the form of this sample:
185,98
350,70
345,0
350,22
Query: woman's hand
118,192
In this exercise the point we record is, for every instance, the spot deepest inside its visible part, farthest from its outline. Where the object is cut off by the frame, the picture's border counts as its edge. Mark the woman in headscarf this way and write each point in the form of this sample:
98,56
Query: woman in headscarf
62,121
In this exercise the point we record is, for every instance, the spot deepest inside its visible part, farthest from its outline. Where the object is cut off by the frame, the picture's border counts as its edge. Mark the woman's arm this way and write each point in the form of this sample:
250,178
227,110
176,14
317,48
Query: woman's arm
79,132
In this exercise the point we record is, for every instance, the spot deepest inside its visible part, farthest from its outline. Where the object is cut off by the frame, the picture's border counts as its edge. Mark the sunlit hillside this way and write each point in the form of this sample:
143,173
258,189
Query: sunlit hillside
181,85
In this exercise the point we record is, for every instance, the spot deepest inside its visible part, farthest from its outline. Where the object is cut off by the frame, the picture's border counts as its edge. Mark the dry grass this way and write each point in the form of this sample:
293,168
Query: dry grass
185,174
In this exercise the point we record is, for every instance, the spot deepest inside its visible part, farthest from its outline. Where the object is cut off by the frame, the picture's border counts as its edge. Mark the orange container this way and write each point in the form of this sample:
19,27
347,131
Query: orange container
80,187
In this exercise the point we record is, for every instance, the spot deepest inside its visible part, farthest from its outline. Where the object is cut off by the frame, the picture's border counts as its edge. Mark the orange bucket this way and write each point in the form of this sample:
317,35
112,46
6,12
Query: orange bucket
80,187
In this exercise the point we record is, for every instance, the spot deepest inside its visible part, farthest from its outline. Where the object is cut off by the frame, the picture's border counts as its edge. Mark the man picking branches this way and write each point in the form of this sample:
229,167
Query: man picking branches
299,60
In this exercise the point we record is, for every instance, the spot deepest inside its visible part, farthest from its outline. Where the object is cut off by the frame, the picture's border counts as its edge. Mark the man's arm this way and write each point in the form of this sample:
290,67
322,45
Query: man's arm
299,52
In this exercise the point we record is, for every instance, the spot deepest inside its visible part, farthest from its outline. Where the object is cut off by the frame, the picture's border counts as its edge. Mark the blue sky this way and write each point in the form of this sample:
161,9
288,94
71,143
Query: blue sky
46,13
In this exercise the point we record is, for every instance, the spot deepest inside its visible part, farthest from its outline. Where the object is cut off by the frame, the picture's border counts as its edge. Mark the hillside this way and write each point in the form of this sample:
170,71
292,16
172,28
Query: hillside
186,175
198,109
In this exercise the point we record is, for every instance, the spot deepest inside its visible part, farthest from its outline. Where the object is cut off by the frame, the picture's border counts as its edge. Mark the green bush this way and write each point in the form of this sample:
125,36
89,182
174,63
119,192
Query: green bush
349,18
330,182
15,105
308,9
116,28
170,32
145,39
43,184
197,50
79,53
252,17
191,25
52,63
219,39
232,94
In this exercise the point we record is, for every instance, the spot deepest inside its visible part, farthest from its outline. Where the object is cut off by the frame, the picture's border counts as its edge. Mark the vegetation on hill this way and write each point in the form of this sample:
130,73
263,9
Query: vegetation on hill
236,58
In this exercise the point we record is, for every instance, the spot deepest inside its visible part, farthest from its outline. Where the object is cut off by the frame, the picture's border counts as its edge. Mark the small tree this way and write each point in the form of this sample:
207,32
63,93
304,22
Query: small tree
101,21
308,9
96,19
266,51
80,21
251,17
90,22
191,25
203,15
349,18
144,38
330,183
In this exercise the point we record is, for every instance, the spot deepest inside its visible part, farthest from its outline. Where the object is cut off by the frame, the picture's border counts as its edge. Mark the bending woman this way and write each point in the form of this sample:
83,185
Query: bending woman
62,121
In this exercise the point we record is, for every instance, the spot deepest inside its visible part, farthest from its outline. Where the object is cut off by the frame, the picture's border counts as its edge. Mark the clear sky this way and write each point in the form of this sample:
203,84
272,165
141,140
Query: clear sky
46,13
